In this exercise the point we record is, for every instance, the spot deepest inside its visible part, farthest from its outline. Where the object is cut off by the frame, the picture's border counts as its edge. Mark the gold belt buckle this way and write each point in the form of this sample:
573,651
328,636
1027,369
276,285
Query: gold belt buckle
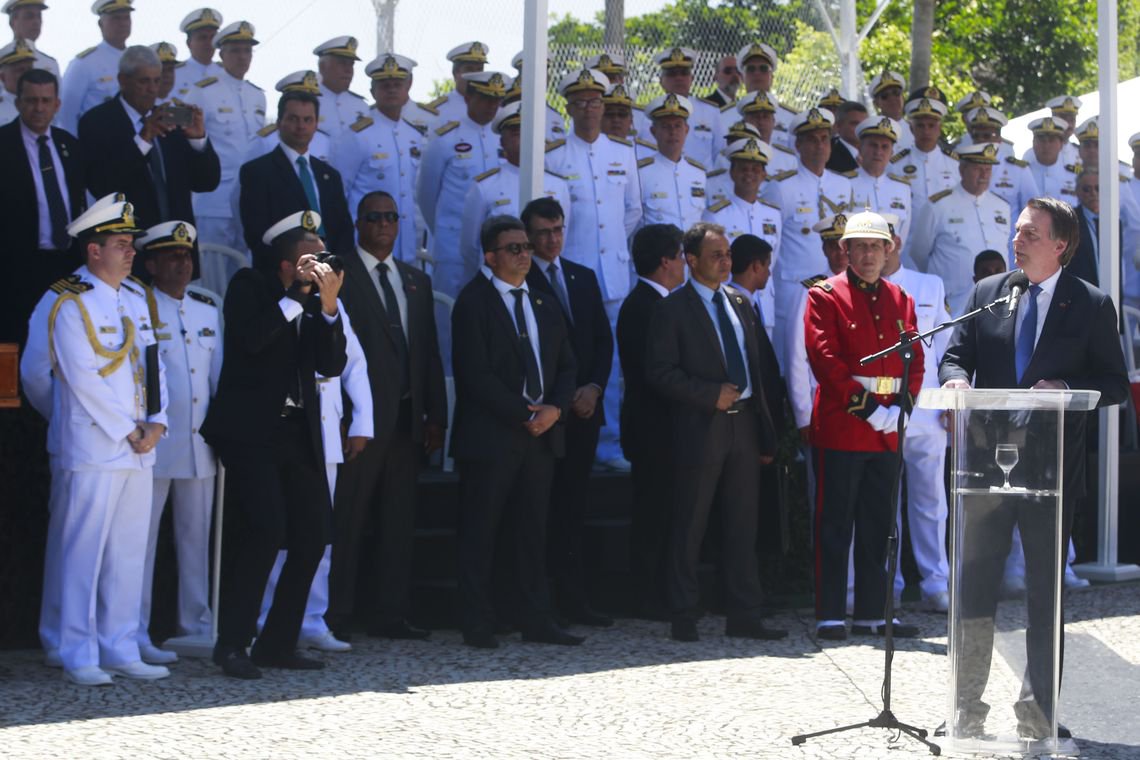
884,386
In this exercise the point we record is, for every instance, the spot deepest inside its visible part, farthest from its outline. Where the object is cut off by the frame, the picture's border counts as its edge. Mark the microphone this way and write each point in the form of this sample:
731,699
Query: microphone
1018,284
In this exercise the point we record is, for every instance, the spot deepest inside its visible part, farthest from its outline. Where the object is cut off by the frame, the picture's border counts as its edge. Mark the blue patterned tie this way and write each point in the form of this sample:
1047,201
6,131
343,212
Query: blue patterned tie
310,189
1028,335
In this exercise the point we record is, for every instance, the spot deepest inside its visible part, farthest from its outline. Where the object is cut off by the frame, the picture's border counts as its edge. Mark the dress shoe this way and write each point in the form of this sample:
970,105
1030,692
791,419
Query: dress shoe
138,671
937,602
586,615
684,630
752,629
401,629
342,634
898,630
286,661
236,664
52,658
152,655
551,634
831,633
325,642
1033,724
480,640
88,676
1072,580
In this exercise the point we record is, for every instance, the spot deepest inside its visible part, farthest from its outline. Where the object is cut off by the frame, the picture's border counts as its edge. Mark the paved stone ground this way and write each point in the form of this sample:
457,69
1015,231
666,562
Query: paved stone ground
629,692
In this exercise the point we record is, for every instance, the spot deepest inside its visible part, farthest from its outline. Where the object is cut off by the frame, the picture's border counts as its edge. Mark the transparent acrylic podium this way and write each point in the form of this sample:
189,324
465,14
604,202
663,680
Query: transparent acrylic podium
1005,656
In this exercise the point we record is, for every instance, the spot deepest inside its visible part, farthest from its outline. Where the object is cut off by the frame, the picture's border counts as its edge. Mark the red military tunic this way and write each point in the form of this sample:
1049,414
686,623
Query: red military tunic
847,319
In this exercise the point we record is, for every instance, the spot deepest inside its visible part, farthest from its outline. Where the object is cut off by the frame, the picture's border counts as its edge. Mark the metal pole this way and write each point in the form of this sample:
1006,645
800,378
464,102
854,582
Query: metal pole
848,50
385,25
533,100
614,35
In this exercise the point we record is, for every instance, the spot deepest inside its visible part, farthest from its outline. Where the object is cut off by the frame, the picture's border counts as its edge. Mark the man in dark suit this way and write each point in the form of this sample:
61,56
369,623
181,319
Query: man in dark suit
132,147
751,271
265,424
645,433
1063,335
1086,259
393,315
575,290
845,144
727,78
289,179
514,381
42,192
704,357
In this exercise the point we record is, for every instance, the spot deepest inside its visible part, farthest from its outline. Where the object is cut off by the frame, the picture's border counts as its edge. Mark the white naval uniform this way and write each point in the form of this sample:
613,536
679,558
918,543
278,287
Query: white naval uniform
189,73
456,153
718,186
91,78
103,516
906,137
420,116
46,62
377,153
496,192
190,344
927,173
449,107
672,192
704,131
1058,180
8,110
798,376
340,110
1013,181
641,125
886,194
353,382
762,219
1070,154
951,230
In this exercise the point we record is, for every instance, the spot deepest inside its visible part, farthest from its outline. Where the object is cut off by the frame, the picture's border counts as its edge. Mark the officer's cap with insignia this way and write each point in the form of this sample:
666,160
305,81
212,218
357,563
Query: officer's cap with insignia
742,130
866,224
340,47
676,58
390,66
985,116
165,51
468,52
976,99
886,80
883,126
811,120
1048,125
583,80
979,153
238,31
757,102
757,50
306,220
104,7
113,217
304,80
617,95
507,116
17,50
831,228
930,92
203,18
1064,104
1088,131
756,151
1134,142
669,105
12,5
172,234
931,107
607,63
831,98
493,84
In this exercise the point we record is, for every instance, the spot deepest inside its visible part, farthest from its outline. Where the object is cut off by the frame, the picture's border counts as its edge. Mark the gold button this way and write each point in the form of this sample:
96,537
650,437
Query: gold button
876,316
195,401
192,370
188,341
193,430
880,336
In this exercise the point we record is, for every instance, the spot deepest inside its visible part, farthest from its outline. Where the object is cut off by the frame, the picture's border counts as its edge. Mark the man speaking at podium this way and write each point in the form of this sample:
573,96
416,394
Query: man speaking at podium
1063,335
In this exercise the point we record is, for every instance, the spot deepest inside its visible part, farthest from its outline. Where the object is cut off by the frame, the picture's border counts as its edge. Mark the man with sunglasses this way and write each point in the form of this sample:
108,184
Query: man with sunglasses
704,119
887,95
757,64
728,80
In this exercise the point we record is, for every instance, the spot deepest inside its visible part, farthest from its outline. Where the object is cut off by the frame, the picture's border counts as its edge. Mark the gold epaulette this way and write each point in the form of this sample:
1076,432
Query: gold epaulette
429,108
1074,168
850,174
267,130
151,304
769,204
202,297
784,175
900,155
1016,161
362,123
488,173
206,82
449,126
719,205
696,163
142,287
784,148
554,144
251,84
73,283
899,177
645,144
948,152
115,357
716,173
437,102
824,284
555,174
353,94
940,195
621,141
809,282
710,102
644,162
86,52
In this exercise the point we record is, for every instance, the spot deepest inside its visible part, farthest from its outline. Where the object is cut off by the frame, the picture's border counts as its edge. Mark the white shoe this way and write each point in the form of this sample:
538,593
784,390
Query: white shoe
939,602
52,658
139,671
88,676
325,642
1072,580
152,655
617,464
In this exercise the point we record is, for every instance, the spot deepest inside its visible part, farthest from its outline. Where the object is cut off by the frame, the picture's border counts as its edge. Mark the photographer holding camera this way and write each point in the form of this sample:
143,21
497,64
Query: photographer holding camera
282,326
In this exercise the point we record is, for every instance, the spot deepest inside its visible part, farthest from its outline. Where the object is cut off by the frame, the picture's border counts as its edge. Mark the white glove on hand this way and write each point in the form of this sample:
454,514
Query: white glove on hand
885,419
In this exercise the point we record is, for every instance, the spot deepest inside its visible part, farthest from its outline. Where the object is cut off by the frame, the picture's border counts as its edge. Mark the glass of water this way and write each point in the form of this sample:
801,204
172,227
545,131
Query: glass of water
1006,457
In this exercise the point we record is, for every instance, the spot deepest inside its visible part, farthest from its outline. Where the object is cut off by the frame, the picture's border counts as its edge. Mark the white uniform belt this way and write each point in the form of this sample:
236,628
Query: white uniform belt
883,386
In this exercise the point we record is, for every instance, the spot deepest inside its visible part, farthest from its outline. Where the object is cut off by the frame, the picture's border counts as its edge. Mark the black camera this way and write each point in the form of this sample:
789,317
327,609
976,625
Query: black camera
333,261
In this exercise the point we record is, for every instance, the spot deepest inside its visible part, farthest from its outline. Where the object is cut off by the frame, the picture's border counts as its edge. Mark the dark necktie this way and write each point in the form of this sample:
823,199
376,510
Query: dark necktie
310,189
1028,336
533,388
57,211
759,313
397,325
158,175
560,290
733,359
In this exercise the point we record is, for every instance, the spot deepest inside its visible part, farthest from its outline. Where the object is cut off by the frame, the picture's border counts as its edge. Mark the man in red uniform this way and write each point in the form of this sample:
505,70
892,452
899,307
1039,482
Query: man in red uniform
849,316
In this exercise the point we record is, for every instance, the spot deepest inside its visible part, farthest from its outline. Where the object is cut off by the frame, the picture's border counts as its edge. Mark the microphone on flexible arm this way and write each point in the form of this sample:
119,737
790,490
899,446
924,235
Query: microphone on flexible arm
1018,284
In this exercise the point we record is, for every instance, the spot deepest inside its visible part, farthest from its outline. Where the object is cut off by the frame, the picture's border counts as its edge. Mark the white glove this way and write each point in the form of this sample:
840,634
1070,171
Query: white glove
885,419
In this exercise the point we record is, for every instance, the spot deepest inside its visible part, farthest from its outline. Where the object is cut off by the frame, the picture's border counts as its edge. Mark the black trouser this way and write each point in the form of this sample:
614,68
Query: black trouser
853,495
276,498
568,511
376,490
733,478
514,487
649,528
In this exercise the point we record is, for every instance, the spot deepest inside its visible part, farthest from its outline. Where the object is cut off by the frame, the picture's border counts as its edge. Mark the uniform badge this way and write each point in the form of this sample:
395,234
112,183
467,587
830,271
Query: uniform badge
163,336
955,220
659,195
769,228
379,156
806,230
898,204
999,219
616,172
108,330
462,147
910,169
207,332
502,201
414,152
698,192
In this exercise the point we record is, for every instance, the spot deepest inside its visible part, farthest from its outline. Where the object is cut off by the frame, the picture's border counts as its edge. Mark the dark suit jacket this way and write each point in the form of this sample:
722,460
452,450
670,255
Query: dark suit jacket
489,372
1079,345
1084,261
262,350
590,335
18,206
841,159
716,96
271,190
425,369
685,364
645,431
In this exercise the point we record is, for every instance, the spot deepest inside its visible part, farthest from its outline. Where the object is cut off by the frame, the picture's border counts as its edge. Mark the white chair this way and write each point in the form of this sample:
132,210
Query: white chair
217,264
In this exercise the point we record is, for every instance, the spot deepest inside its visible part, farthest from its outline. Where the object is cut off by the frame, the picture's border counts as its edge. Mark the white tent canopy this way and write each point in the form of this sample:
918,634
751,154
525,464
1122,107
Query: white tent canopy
1128,123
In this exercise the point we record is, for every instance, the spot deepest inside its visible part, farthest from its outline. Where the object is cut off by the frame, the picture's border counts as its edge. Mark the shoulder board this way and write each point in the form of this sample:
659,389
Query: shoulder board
621,141
429,108
719,205
785,149
849,174
638,108
1074,168
206,82
784,175
488,173
786,108
362,123
809,282
726,107
555,174
133,288
267,130
644,162
177,65
73,283
712,103
251,84
940,195
769,204
1007,141
437,102
899,178
200,297
696,163
1016,161
645,144
824,284
946,151
900,155
353,94
86,52
716,173
447,127
554,144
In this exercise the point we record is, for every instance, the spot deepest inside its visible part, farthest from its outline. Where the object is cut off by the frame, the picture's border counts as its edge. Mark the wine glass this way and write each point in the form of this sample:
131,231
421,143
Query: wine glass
1006,457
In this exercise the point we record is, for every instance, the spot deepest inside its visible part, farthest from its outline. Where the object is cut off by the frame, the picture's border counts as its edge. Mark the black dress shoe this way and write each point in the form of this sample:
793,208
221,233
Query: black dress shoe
585,615
684,630
480,640
287,661
752,629
551,634
236,664
401,629
1032,722
831,633
898,630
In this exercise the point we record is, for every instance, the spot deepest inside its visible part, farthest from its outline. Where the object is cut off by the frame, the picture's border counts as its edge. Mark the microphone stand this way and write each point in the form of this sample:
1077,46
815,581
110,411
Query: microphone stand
886,718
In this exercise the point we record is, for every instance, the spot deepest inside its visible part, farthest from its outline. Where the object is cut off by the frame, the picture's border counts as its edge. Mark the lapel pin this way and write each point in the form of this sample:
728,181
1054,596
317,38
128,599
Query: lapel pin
538,301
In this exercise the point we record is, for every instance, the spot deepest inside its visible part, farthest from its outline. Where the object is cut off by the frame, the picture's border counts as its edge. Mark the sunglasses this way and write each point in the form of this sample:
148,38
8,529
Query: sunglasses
515,249
373,217
763,68
729,70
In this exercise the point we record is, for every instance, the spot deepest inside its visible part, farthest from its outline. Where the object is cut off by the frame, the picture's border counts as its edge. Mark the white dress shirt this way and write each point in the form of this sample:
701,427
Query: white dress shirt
505,289
706,295
1044,298
371,263
32,146
293,155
